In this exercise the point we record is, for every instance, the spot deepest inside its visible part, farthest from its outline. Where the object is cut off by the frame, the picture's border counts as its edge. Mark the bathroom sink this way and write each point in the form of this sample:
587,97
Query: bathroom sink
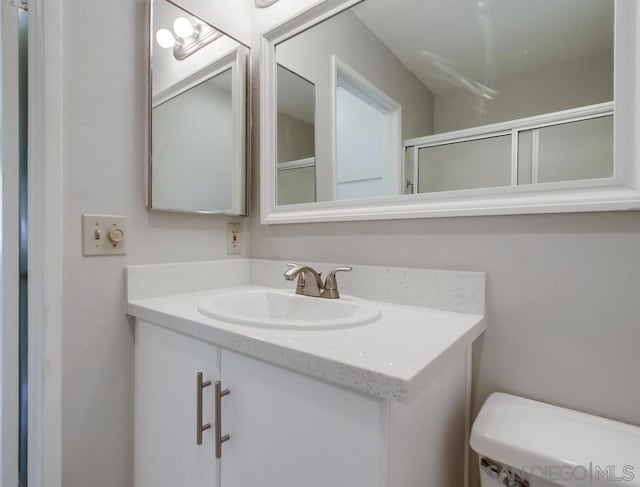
271,308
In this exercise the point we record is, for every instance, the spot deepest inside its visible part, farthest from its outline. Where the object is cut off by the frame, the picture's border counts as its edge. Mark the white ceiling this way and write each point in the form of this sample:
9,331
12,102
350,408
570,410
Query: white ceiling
445,41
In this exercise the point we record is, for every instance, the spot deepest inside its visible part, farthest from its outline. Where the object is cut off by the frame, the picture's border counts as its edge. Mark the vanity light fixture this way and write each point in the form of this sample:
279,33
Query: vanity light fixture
264,3
183,28
186,38
165,38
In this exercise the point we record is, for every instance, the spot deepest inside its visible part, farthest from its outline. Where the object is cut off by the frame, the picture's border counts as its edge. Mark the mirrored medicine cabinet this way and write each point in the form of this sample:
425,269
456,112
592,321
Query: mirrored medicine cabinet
440,108
198,111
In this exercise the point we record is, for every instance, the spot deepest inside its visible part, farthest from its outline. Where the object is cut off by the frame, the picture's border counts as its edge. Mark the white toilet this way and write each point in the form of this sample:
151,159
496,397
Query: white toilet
524,443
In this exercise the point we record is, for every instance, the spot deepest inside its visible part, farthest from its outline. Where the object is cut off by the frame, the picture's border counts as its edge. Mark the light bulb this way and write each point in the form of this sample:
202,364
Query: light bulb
165,38
183,27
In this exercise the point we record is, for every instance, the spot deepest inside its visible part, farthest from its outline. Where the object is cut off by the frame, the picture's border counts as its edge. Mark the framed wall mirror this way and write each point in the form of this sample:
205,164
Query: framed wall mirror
440,108
198,110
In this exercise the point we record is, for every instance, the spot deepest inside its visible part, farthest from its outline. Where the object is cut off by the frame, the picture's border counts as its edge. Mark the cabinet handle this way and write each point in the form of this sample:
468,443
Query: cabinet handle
200,428
219,438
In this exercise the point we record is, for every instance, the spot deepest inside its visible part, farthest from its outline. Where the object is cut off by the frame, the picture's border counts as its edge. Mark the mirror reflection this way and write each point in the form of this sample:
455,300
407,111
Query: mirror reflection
197,115
296,138
434,96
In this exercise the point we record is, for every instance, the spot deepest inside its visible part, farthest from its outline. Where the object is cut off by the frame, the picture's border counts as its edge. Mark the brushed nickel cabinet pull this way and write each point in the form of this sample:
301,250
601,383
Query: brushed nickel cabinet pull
219,438
200,428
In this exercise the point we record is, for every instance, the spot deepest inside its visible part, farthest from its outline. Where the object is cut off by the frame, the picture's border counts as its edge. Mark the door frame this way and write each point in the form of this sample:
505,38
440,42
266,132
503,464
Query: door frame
45,243
10,243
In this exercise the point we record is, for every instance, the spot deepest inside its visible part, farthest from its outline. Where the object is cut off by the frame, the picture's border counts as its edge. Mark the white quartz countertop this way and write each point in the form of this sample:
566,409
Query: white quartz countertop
392,358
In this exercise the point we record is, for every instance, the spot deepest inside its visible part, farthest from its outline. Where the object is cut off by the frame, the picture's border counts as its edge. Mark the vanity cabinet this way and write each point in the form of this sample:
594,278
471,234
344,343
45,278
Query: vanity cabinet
166,367
290,430
286,429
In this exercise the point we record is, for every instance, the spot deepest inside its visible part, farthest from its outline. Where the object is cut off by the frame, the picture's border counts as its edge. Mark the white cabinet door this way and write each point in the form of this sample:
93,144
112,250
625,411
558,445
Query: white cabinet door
167,364
289,430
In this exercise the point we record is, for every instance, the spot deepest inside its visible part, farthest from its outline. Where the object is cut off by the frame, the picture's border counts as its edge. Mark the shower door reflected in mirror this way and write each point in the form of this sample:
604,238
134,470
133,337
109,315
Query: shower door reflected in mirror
197,116
434,96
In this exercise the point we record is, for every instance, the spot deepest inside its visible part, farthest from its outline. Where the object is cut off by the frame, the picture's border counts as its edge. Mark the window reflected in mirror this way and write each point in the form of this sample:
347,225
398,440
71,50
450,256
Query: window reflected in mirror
433,96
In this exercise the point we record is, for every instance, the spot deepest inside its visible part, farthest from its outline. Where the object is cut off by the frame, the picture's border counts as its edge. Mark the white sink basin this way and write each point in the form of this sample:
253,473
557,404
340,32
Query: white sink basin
271,308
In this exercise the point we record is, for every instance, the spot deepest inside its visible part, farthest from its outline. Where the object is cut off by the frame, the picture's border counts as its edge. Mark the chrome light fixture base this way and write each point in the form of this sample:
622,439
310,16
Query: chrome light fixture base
264,3
203,35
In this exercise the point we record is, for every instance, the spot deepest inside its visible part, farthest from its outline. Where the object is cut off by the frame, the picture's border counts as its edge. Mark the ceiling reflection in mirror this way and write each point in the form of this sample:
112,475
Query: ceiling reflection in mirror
440,95
197,114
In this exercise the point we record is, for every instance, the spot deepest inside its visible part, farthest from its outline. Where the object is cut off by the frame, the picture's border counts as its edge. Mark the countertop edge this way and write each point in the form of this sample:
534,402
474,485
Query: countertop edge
422,379
331,371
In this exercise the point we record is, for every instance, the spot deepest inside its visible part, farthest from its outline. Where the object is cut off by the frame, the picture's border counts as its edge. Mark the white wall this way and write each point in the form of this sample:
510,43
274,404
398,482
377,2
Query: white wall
563,304
103,146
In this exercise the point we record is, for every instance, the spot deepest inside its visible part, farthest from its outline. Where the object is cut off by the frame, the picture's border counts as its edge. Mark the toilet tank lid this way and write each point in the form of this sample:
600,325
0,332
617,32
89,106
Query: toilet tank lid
562,446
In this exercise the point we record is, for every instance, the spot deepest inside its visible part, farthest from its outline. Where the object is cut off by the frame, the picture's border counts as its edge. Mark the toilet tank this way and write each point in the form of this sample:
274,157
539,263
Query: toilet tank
525,443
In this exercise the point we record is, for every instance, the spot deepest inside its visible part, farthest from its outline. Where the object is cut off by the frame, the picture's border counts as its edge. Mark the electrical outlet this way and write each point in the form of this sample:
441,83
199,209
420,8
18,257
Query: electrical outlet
103,235
234,241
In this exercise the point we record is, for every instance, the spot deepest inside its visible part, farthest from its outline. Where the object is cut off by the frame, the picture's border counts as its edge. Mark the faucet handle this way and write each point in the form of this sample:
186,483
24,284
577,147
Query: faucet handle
291,265
331,284
288,273
346,268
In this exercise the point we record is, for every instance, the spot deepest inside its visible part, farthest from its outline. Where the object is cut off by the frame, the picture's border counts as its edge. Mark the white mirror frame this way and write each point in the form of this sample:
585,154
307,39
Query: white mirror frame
620,192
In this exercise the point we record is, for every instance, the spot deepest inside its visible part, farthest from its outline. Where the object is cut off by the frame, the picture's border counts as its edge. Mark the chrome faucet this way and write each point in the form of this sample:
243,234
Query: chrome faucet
310,281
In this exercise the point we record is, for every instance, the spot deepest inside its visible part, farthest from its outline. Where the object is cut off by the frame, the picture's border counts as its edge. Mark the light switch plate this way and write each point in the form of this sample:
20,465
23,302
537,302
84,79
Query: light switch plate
103,235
